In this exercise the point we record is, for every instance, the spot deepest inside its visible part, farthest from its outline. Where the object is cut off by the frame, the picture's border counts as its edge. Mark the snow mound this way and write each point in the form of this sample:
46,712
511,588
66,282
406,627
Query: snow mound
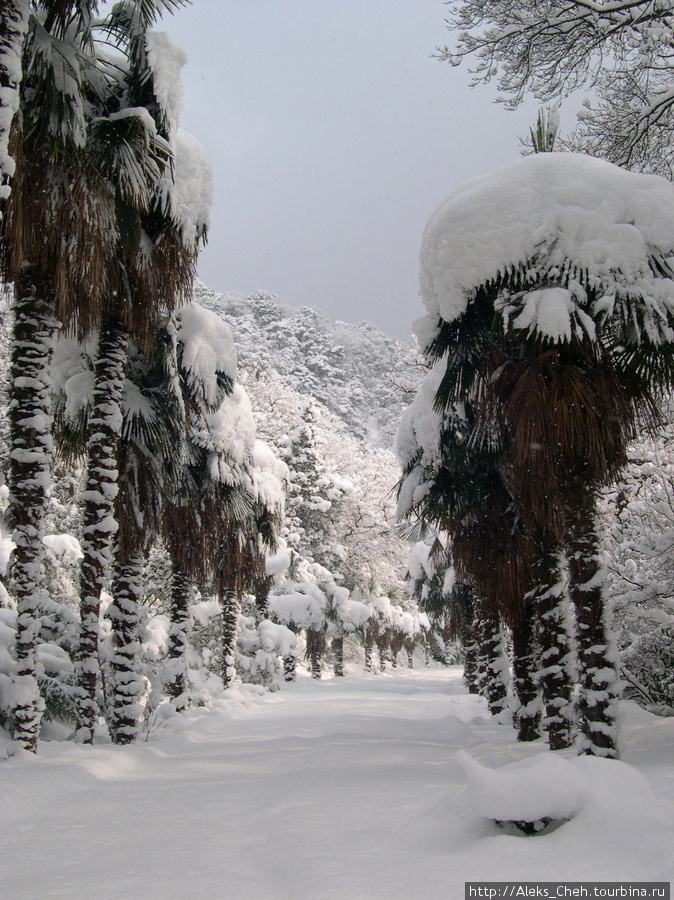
576,211
540,787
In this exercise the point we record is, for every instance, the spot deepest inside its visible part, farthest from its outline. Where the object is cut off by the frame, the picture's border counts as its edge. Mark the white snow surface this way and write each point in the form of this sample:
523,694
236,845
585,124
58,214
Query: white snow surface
166,60
208,349
187,192
604,220
529,789
419,432
343,789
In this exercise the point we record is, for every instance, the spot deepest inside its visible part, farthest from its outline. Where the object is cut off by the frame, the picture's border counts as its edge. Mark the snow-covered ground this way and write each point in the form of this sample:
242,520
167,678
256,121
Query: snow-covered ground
345,789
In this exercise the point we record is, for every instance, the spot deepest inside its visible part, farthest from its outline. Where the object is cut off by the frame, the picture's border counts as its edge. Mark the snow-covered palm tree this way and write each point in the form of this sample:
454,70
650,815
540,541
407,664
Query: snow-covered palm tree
551,312
53,248
161,227
13,27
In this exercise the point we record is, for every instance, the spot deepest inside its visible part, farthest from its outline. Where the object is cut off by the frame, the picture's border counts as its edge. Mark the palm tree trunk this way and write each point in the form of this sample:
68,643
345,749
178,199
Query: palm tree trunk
230,628
175,676
262,588
493,664
597,656
338,649
29,477
369,645
126,684
471,659
13,26
289,668
554,641
315,648
527,707
100,524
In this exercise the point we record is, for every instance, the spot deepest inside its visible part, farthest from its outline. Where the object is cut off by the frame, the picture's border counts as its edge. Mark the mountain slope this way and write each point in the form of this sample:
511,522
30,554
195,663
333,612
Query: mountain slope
356,371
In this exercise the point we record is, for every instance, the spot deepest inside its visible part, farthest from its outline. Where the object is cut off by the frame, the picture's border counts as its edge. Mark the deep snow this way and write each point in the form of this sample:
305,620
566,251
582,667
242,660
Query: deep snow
344,789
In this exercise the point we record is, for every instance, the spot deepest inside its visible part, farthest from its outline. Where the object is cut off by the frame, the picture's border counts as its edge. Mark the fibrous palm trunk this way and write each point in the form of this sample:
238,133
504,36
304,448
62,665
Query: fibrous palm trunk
470,658
100,524
13,26
289,668
493,663
230,626
126,683
526,695
262,587
338,650
29,477
315,648
597,656
175,675
369,646
555,646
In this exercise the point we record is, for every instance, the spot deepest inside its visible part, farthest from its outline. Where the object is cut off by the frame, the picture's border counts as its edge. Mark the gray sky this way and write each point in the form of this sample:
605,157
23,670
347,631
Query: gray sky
332,134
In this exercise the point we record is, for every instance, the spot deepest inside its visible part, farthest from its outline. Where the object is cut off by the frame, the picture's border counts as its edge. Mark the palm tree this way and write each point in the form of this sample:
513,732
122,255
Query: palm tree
147,452
13,28
155,264
243,553
221,518
559,354
43,251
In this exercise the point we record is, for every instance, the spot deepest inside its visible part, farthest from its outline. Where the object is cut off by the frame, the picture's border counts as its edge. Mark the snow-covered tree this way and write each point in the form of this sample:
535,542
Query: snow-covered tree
44,253
548,344
13,27
640,516
159,240
622,50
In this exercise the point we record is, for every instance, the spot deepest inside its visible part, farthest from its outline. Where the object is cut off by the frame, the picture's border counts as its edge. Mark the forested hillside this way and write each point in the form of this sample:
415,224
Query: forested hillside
357,372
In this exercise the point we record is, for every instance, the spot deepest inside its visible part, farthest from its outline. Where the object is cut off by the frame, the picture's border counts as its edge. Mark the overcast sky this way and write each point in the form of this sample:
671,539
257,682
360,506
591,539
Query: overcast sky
332,134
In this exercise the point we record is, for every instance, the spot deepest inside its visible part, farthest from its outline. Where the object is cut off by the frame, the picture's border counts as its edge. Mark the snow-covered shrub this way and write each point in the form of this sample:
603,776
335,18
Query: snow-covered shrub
261,648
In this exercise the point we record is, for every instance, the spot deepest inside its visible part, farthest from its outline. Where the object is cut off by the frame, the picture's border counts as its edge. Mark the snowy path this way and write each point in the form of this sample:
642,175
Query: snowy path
338,790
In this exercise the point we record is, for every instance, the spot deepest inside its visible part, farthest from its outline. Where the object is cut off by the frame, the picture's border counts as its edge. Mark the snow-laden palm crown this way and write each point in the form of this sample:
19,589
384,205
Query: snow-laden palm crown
549,330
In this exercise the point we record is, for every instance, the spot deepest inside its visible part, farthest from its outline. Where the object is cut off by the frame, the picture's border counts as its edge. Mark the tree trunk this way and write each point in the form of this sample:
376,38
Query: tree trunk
410,658
13,26
597,656
554,641
471,659
262,588
29,478
493,665
99,521
527,705
338,650
369,644
175,674
126,684
315,648
230,629
289,668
